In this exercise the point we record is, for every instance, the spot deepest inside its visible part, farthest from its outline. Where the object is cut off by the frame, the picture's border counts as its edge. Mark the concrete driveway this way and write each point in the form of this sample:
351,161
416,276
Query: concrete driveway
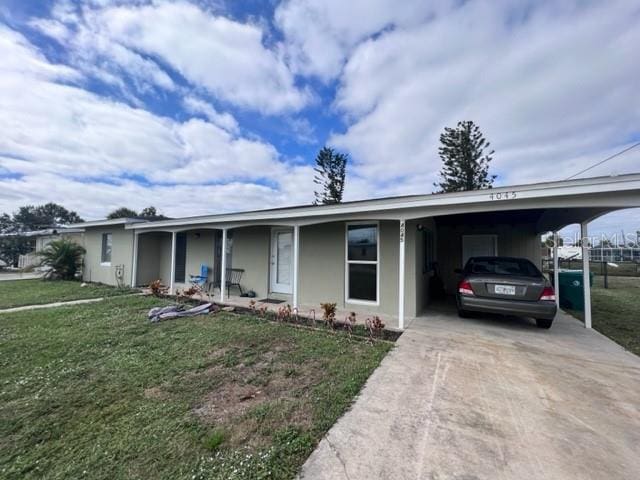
491,398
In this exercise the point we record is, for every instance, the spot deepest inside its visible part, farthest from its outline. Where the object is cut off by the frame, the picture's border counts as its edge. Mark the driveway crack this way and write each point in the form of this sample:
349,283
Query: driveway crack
339,457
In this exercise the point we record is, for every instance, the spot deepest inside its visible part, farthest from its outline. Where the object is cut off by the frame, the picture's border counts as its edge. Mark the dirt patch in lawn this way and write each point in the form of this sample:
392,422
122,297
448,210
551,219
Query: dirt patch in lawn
155,393
252,397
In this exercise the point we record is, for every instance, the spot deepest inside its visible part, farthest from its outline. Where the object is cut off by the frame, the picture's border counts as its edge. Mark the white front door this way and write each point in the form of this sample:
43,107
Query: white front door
478,246
281,260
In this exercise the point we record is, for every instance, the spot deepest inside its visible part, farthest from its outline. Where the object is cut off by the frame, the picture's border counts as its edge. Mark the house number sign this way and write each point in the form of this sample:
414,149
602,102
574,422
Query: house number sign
510,195
402,230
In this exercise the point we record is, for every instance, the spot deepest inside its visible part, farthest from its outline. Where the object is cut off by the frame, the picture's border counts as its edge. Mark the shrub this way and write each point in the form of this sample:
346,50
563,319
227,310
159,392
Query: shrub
158,289
328,313
187,293
63,257
375,326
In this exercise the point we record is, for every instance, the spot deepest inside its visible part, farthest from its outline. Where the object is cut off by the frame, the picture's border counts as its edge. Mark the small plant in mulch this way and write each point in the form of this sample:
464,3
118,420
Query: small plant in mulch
350,322
284,313
374,327
329,314
252,306
158,289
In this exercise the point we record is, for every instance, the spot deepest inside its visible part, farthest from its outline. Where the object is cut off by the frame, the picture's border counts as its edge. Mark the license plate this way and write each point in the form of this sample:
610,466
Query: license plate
505,289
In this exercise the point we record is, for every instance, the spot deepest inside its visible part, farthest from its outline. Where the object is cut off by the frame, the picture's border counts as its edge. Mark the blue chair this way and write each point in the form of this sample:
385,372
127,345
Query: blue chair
202,279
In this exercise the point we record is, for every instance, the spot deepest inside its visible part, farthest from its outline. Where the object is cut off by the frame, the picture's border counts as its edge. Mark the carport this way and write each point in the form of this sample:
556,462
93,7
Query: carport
511,223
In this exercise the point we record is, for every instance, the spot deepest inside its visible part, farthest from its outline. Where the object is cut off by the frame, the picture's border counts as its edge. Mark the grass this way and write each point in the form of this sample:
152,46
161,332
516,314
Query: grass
615,311
96,391
18,293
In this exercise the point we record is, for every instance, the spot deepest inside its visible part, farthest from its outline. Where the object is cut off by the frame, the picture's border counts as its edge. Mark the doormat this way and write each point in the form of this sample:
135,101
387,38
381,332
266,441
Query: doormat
270,300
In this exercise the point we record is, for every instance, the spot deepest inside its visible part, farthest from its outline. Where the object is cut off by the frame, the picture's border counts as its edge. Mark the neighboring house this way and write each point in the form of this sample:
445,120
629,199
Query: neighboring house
363,255
42,238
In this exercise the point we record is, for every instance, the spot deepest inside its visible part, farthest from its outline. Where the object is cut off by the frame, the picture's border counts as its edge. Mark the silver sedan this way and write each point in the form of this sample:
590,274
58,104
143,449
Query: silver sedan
508,286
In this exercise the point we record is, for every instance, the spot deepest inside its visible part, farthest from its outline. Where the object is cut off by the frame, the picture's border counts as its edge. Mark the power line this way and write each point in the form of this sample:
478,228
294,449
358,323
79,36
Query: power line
605,160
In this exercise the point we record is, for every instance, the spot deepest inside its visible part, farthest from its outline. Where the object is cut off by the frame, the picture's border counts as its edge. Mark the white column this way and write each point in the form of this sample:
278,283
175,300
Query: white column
134,266
223,265
172,282
556,266
296,261
585,275
401,277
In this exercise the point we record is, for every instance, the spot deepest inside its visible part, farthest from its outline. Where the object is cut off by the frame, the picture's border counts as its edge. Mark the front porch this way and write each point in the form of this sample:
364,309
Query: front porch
299,265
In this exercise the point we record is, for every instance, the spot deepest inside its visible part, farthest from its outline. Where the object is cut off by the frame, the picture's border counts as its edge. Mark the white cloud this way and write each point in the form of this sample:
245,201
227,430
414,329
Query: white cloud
69,145
19,57
224,120
552,90
321,33
94,200
51,28
227,58
99,56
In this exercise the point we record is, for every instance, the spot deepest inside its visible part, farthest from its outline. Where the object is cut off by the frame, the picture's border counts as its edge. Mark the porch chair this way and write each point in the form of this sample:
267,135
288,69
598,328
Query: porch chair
233,278
202,279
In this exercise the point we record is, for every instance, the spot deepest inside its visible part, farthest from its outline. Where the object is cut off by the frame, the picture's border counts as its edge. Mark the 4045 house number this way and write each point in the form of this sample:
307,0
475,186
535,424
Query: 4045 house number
510,195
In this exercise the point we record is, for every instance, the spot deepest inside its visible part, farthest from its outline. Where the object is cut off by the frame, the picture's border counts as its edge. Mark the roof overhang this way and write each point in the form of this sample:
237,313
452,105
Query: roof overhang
108,223
604,193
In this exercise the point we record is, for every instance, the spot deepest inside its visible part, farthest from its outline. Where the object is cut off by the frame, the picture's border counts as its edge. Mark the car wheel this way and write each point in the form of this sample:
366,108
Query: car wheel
543,323
463,313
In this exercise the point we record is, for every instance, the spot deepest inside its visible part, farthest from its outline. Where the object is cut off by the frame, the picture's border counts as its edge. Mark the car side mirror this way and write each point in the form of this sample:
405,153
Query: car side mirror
459,271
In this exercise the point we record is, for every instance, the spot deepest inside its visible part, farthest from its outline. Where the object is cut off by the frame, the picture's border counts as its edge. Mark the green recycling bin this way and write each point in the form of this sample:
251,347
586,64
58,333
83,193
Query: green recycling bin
572,289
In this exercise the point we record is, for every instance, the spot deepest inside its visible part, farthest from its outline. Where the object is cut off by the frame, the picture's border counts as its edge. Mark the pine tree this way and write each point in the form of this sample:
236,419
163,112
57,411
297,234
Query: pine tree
466,160
330,175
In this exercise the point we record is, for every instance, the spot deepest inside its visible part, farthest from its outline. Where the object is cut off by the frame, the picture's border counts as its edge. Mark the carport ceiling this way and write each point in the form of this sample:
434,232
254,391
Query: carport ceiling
545,220
487,219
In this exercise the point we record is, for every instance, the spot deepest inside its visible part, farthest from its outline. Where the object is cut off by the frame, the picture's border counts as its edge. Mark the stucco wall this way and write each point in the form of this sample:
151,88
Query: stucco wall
149,255
513,241
121,254
388,264
200,250
321,268
164,267
418,294
251,253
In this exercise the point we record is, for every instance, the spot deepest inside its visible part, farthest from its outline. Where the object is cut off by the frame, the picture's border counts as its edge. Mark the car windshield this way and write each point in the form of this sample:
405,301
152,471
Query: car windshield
502,266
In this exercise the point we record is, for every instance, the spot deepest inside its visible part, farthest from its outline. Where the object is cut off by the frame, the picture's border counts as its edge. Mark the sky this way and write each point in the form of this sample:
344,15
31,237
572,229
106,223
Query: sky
214,106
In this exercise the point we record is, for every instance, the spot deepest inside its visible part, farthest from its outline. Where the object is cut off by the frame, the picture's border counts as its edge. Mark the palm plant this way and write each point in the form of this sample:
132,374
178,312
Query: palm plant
63,257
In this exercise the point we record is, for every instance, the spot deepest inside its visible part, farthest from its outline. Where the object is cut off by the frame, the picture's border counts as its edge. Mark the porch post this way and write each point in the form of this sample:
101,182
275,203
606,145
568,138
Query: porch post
401,277
296,258
585,275
173,263
134,264
223,265
556,266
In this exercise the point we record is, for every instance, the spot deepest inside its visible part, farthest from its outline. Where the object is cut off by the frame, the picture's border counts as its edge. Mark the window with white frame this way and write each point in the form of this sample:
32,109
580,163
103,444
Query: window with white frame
106,248
362,262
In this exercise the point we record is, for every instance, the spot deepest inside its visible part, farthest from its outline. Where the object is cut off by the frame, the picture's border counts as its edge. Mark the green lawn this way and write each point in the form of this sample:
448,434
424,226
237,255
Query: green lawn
96,391
16,293
616,310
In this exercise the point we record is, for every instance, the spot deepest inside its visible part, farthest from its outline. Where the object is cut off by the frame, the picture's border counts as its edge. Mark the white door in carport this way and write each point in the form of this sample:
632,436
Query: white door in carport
478,246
